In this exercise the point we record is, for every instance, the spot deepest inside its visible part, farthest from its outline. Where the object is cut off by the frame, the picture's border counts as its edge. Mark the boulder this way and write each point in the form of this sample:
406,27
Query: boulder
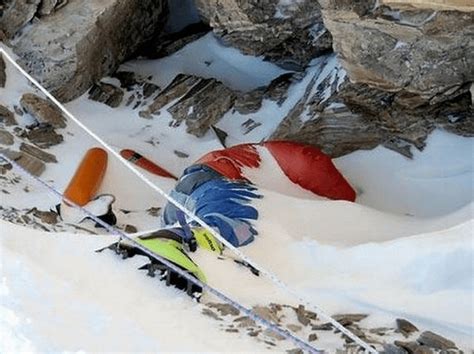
405,327
7,117
16,14
108,94
43,110
340,116
203,105
43,136
290,33
38,153
435,341
197,101
30,163
422,54
75,46
6,138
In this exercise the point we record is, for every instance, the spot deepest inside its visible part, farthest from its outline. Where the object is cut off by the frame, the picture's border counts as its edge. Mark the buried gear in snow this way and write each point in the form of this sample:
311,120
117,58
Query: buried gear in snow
221,203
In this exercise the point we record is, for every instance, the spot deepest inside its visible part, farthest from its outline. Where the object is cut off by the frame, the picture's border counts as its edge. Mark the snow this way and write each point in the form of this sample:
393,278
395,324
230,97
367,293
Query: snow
208,58
404,249
58,295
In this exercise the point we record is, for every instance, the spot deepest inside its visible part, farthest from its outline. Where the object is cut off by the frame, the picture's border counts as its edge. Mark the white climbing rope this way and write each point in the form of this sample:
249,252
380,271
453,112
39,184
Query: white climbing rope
195,218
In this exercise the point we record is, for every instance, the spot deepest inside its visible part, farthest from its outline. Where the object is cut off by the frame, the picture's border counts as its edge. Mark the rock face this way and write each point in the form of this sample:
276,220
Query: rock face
422,55
289,33
42,110
199,102
76,45
16,14
6,116
340,117
106,93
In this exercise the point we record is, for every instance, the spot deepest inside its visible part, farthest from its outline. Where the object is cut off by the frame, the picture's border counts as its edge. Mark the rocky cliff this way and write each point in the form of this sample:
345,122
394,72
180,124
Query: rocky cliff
67,45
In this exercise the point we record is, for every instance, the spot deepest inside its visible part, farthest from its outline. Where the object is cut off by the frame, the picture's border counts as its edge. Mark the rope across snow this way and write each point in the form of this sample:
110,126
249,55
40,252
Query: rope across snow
301,343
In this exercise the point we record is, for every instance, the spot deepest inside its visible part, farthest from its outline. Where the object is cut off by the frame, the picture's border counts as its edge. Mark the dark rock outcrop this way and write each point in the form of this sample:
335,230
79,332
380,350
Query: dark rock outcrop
199,102
29,163
75,46
43,136
3,75
203,105
16,14
288,33
38,153
340,116
435,341
165,44
6,138
7,117
106,93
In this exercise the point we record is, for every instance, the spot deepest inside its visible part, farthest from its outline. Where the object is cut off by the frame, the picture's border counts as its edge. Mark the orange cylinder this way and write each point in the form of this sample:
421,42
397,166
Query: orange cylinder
88,177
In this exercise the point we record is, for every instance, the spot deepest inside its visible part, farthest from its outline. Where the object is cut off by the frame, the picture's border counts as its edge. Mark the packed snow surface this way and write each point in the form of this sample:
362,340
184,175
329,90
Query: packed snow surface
404,249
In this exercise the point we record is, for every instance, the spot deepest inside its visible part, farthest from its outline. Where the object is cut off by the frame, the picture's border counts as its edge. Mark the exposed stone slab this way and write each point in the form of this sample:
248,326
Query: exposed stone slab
77,45
43,110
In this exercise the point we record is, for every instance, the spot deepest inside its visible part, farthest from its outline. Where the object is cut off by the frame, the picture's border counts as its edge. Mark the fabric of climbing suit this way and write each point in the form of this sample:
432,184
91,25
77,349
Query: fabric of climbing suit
217,190
220,202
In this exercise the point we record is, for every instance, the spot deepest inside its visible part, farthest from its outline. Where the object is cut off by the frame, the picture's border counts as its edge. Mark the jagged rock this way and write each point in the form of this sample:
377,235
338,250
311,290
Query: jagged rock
392,349
16,14
302,315
128,79
267,313
405,327
421,54
47,7
70,49
203,105
43,110
3,74
348,319
166,44
288,33
413,347
130,229
177,88
38,153
322,327
340,117
295,351
106,93
6,138
249,102
312,337
44,136
154,211
211,314
269,333
29,163
6,116
224,309
245,321
48,217
277,90
435,341
181,154
149,89
294,327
